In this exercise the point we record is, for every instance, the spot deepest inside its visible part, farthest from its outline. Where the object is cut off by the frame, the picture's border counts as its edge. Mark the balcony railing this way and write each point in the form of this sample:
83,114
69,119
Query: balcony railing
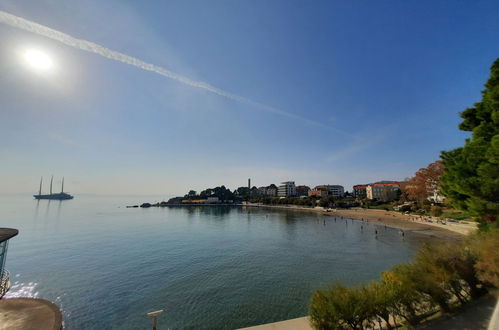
4,282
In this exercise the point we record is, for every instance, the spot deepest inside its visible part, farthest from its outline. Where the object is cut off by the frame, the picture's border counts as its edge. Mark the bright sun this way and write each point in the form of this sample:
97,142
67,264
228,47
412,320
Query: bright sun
38,60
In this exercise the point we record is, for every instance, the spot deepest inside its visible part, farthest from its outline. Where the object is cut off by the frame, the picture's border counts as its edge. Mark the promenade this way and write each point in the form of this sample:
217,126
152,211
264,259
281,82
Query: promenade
29,314
482,314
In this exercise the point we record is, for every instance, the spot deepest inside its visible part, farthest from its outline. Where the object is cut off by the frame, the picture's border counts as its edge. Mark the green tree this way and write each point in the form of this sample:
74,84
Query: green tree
406,300
382,299
436,210
322,316
471,178
327,201
451,266
191,194
340,307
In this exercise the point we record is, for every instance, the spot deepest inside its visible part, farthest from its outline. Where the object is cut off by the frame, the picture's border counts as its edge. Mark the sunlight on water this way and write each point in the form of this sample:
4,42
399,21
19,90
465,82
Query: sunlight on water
20,289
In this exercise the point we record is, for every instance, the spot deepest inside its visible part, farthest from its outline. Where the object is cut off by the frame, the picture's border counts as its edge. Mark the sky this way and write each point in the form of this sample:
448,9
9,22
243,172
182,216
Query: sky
318,92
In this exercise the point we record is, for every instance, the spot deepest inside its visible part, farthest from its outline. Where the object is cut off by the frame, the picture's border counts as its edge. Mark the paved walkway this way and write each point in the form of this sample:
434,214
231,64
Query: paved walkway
476,315
29,314
293,324
482,314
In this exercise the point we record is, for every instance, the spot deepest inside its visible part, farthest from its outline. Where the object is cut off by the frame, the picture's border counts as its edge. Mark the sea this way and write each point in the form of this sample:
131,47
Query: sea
213,267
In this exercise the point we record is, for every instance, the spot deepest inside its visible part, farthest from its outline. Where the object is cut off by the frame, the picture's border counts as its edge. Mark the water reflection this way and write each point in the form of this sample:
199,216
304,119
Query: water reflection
194,211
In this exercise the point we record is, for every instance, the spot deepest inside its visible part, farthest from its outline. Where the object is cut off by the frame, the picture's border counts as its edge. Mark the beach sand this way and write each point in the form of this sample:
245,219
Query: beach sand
408,223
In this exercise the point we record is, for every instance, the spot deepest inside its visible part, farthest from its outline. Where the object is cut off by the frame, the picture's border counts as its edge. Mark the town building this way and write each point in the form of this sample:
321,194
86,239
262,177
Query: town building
269,191
436,197
262,191
327,190
272,191
318,192
359,191
336,190
302,191
332,189
383,191
287,189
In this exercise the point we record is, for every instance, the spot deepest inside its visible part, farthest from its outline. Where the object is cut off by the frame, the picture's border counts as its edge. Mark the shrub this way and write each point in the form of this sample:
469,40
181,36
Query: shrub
340,307
443,267
486,246
436,210
382,299
405,208
406,301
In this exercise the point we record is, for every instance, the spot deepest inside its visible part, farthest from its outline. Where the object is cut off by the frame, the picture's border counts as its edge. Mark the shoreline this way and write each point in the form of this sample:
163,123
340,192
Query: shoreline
421,225
408,223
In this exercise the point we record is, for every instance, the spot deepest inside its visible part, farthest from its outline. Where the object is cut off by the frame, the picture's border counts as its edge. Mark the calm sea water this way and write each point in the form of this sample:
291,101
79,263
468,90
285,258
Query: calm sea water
106,266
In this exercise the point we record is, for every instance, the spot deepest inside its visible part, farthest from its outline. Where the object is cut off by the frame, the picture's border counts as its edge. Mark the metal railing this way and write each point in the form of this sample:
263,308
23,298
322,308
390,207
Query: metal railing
4,282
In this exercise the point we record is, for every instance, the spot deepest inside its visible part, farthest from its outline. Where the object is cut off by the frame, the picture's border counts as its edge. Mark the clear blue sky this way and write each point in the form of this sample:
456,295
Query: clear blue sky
384,79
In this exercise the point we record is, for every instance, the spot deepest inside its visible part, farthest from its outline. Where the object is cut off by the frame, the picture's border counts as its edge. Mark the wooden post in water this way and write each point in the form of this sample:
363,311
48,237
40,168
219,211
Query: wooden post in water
154,316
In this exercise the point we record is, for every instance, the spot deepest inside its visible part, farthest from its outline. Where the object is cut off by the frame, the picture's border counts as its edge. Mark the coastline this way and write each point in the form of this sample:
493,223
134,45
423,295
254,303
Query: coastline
408,223
405,222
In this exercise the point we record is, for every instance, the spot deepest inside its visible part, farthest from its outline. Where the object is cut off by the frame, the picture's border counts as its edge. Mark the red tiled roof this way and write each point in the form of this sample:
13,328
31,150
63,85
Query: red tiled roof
396,183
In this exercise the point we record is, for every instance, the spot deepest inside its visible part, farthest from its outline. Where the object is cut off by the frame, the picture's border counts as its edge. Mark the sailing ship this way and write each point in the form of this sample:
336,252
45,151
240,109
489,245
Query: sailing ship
57,196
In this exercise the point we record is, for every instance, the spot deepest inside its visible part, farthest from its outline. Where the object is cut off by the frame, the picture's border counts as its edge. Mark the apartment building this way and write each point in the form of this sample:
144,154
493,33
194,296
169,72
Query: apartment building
286,189
327,190
302,191
383,191
359,191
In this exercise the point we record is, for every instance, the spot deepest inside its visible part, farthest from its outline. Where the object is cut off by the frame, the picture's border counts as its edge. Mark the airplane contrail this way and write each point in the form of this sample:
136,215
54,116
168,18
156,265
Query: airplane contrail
88,46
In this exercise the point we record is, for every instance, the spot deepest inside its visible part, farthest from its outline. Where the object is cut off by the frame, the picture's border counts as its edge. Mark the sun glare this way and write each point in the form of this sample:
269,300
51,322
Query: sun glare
38,60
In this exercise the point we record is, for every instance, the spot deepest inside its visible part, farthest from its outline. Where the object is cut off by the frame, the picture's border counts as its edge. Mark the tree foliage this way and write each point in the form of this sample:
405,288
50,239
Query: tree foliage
471,179
425,182
221,192
345,308
485,247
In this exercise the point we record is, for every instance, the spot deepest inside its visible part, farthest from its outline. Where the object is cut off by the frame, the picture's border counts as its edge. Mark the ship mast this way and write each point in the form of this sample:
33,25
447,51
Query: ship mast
62,189
51,184
40,190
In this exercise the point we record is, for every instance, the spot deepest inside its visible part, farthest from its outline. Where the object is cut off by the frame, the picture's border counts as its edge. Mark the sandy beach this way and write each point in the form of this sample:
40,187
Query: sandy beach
408,223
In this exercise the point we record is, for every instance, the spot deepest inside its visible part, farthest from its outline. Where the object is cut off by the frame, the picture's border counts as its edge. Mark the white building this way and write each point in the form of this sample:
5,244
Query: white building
287,189
436,197
336,190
